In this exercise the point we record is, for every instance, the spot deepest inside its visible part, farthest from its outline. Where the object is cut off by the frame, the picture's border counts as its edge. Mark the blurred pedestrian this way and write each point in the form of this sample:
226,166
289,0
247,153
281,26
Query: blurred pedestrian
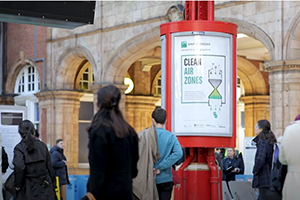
113,150
289,155
59,163
218,158
34,175
144,186
232,165
264,140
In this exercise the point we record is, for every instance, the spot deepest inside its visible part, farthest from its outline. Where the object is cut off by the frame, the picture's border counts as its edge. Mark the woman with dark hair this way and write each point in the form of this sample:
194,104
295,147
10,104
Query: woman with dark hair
34,175
113,150
264,140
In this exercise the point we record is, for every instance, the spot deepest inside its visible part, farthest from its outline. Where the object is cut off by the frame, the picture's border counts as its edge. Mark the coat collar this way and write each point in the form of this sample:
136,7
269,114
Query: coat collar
255,139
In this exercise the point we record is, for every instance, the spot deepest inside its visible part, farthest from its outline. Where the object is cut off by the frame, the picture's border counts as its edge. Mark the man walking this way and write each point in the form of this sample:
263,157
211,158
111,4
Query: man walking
170,152
59,163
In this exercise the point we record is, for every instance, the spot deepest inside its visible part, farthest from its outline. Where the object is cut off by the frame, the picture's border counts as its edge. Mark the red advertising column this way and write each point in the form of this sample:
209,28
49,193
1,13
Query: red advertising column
199,95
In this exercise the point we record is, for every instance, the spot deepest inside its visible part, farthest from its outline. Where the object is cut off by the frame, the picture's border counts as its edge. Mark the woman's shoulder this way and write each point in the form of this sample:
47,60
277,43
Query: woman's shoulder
101,131
21,146
41,143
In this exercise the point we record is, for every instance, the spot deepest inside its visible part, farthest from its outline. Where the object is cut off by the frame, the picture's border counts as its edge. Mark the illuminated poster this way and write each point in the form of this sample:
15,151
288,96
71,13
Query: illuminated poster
202,84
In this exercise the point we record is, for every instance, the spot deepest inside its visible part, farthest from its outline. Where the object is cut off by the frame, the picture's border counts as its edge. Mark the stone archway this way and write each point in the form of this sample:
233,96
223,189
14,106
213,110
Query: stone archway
14,72
128,53
252,78
256,99
292,40
67,66
253,31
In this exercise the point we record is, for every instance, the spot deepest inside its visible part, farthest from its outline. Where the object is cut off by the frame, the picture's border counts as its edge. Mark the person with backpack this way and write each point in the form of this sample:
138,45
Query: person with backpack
264,140
289,155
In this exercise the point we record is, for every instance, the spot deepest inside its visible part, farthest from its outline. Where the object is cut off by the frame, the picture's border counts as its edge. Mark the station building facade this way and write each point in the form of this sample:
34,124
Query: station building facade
57,72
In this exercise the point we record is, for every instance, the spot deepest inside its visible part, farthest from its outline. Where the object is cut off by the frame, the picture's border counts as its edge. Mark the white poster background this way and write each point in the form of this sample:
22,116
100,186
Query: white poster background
249,155
199,62
10,135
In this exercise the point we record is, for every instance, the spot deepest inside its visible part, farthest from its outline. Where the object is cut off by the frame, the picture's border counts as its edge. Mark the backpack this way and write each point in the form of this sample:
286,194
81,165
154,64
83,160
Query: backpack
4,164
278,172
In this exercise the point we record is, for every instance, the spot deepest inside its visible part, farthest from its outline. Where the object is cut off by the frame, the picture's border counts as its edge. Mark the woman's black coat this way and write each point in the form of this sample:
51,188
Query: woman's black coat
31,170
113,164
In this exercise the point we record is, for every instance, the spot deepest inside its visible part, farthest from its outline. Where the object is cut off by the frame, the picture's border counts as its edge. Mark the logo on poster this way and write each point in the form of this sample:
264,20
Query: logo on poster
183,44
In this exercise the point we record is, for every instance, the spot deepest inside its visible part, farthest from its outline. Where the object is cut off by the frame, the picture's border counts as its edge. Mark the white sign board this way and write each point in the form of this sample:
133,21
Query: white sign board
10,117
202,84
249,155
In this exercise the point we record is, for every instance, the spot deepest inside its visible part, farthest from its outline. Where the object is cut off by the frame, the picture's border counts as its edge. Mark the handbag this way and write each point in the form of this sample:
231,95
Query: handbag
278,173
9,184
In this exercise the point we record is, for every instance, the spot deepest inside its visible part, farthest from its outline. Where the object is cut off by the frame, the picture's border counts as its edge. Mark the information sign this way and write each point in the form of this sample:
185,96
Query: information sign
202,83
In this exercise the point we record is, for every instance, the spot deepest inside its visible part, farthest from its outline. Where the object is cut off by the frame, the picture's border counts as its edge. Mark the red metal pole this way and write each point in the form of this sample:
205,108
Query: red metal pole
182,167
168,84
214,175
210,10
193,10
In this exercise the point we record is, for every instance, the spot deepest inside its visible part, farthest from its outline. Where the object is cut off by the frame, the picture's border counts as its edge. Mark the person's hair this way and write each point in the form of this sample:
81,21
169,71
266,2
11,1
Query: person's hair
159,115
266,133
109,112
36,133
233,150
27,131
59,140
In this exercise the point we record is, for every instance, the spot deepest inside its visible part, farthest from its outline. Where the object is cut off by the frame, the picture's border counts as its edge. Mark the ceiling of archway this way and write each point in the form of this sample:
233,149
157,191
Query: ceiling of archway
252,49
247,47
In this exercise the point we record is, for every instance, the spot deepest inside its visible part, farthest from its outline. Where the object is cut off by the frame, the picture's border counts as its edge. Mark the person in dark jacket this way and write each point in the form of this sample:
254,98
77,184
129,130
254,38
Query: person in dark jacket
34,174
264,140
59,163
232,165
113,150
4,164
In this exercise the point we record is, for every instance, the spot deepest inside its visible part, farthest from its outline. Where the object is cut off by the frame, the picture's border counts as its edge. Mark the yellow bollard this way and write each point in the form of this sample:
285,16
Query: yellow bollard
57,189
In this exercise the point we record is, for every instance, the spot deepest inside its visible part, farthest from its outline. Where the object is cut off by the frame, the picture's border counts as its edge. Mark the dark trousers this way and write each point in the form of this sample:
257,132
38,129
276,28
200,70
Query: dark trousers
267,194
165,190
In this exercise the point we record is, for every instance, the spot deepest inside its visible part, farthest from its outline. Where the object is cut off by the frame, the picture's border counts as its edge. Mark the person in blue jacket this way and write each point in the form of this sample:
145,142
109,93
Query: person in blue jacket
170,152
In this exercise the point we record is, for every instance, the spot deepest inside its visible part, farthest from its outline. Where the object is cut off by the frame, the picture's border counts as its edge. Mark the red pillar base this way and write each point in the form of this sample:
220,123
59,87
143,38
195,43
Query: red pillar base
201,178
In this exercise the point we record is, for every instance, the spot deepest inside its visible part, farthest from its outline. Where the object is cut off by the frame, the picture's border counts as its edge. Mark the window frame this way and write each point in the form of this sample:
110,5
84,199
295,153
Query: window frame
24,79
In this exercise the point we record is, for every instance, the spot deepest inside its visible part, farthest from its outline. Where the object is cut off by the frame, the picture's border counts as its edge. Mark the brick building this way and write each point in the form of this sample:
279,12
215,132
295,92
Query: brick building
125,42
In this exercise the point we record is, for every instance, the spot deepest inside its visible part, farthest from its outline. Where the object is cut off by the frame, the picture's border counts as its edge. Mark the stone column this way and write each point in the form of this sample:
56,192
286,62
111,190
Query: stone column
59,112
284,79
256,107
139,110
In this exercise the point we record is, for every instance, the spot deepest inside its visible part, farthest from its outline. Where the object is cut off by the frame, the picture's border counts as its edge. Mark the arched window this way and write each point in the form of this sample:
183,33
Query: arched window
86,77
28,81
156,84
26,85
157,87
84,80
